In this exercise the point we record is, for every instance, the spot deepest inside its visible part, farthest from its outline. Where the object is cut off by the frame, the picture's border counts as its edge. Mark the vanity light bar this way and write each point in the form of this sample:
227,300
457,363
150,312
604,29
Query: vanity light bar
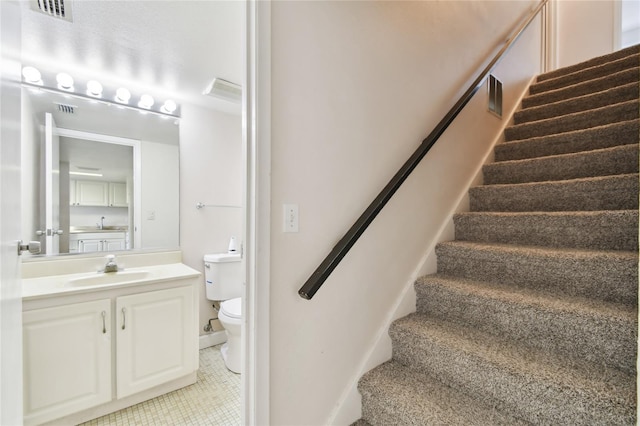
95,92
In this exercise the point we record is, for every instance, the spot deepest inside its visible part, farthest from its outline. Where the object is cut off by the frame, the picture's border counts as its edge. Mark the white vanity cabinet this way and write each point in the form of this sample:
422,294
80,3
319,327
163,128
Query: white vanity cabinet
155,339
67,359
118,195
91,193
97,241
93,352
98,193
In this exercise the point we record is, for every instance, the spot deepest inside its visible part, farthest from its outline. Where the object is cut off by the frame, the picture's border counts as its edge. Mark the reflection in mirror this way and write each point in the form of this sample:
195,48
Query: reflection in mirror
97,177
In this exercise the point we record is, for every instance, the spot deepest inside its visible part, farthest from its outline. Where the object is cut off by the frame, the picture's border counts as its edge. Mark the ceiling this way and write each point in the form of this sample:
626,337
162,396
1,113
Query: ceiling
171,49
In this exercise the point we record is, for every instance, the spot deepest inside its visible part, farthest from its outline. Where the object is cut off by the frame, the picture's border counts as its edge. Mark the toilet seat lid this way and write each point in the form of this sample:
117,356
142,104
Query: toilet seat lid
232,307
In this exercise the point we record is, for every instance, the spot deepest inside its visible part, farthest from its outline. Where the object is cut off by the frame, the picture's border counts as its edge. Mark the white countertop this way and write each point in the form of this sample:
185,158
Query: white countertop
66,284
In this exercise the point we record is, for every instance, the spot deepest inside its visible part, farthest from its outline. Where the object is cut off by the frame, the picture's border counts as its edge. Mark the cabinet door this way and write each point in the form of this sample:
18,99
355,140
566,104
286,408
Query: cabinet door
92,193
89,245
156,339
67,359
118,195
113,245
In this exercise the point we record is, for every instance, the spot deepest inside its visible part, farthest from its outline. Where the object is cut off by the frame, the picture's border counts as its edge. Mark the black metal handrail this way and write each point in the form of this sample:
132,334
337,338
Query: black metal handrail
319,276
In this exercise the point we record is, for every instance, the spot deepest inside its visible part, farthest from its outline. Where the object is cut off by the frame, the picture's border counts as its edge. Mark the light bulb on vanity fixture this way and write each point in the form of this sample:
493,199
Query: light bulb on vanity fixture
94,89
123,95
65,82
169,107
146,101
32,75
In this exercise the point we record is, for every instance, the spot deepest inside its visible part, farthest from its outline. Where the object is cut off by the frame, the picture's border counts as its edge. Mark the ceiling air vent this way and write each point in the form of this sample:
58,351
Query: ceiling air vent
56,8
66,109
224,89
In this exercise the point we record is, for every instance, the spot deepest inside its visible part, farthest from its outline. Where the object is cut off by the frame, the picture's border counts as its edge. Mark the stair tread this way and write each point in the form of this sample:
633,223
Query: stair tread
600,230
466,357
598,99
406,399
602,59
622,111
582,88
587,73
535,297
609,161
574,141
571,326
525,361
603,275
562,182
615,192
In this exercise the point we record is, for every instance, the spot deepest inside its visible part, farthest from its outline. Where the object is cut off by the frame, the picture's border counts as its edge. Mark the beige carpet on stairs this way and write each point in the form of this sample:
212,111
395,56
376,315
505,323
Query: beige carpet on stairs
532,315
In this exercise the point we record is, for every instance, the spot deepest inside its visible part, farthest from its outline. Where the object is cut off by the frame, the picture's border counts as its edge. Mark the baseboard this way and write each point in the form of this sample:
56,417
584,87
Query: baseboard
212,339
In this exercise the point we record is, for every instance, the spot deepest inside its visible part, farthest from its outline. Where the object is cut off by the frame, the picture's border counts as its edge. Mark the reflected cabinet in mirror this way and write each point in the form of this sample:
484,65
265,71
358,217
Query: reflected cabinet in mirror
97,177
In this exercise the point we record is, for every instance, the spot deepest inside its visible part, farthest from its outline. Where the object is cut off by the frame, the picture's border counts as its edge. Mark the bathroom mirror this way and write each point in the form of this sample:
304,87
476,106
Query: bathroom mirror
97,177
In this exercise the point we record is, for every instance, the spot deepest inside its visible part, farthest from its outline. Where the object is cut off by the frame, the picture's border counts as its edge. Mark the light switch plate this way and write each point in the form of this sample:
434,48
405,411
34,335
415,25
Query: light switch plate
290,217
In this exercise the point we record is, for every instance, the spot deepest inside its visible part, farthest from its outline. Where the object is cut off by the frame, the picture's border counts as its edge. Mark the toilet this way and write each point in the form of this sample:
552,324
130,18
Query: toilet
223,282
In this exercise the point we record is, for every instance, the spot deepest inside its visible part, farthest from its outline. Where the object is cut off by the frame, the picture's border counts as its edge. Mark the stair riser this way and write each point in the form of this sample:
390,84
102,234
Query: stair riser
578,121
610,231
623,53
608,193
622,160
582,89
584,103
617,134
581,76
594,339
601,276
546,403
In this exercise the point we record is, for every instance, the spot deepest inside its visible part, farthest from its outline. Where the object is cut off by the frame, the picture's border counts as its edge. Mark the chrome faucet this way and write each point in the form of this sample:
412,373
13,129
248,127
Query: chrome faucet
111,265
101,224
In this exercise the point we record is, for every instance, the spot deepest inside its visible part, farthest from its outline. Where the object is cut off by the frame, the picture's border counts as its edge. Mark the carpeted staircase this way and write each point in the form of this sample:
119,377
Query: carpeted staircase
532,315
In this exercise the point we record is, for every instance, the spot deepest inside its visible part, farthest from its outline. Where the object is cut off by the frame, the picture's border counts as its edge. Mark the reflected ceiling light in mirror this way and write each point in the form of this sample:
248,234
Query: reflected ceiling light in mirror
169,107
65,82
94,88
32,75
86,174
146,101
123,95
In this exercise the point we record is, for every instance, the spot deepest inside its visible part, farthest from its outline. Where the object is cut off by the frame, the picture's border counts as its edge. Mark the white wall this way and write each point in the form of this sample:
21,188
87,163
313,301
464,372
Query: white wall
210,172
90,216
355,87
159,195
585,30
30,169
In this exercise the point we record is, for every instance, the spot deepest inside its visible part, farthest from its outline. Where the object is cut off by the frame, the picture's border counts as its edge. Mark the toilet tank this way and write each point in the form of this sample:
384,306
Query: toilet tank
223,276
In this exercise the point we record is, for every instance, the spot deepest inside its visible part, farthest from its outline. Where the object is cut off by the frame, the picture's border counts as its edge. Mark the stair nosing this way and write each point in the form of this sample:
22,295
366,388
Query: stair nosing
559,104
560,118
626,52
567,155
555,182
536,139
587,70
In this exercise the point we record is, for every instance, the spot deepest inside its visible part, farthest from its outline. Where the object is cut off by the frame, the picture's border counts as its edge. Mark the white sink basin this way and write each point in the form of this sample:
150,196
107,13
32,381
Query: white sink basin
109,278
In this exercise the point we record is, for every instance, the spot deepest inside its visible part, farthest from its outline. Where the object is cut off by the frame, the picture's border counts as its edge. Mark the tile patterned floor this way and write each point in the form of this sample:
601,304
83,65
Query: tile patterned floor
213,400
